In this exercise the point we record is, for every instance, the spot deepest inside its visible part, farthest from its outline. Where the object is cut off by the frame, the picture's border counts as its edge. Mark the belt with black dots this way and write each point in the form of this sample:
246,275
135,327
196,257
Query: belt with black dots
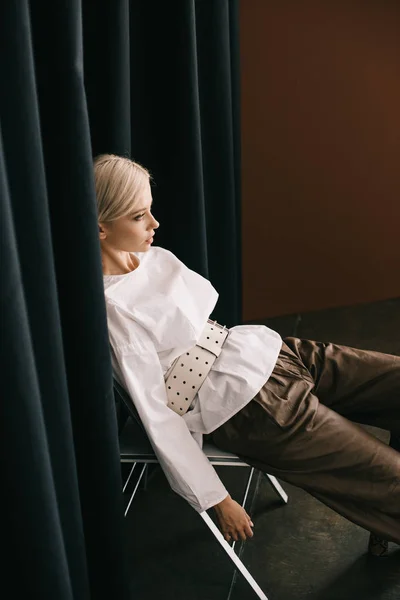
189,371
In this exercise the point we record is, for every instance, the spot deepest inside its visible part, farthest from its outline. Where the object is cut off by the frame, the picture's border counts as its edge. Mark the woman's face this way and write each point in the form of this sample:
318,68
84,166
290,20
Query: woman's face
133,233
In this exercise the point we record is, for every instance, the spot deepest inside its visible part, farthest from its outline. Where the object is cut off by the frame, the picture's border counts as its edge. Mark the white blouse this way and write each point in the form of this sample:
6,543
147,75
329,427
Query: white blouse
154,314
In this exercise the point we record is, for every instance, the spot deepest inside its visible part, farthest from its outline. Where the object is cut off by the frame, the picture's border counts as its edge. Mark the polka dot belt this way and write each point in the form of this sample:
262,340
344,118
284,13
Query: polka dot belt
189,371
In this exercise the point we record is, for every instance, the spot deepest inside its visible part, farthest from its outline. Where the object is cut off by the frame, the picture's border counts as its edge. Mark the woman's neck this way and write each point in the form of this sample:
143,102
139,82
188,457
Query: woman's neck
118,263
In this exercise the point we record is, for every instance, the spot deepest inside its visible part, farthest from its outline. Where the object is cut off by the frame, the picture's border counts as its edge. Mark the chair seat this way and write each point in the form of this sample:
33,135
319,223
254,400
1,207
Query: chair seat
135,446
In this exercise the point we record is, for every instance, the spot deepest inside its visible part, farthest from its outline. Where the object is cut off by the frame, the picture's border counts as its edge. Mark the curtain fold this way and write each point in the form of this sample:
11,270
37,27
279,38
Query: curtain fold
59,444
107,71
218,64
152,80
33,531
33,278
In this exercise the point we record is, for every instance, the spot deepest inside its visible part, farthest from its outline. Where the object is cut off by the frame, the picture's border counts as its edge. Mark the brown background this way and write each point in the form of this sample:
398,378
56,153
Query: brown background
320,154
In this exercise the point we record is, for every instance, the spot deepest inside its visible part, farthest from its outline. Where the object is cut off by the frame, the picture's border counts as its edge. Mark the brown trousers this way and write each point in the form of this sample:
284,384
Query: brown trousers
303,427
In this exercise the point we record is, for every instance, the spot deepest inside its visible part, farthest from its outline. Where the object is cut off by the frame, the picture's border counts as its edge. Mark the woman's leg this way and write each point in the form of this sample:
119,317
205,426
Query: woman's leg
362,385
288,432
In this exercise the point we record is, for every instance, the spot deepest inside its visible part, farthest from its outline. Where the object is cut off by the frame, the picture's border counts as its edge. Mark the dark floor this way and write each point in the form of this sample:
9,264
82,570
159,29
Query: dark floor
300,551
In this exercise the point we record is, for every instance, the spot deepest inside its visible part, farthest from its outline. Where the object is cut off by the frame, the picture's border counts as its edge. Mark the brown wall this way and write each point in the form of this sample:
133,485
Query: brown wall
320,154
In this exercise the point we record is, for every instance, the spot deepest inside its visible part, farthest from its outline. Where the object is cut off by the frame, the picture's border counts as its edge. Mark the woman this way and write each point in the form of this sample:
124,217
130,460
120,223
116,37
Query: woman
289,407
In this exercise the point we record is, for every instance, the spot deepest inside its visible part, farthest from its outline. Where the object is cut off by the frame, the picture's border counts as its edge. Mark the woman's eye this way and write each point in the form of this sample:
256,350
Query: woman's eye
139,217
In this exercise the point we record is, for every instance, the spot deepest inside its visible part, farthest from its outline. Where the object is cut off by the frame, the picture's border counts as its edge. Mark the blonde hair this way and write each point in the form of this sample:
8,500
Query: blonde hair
119,182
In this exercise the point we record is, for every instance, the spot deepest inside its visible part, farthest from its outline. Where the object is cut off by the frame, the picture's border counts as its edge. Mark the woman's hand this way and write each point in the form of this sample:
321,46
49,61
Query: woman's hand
233,520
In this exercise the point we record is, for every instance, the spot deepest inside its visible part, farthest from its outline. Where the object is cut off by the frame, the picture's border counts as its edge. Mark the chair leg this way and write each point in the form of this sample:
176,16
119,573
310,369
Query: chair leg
241,549
277,487
144,467
233,556
129,478
146,475
282,494
246,493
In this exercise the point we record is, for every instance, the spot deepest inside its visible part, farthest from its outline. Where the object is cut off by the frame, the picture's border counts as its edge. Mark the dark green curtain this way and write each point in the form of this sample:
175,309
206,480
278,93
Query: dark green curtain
153,80
162,82
60,481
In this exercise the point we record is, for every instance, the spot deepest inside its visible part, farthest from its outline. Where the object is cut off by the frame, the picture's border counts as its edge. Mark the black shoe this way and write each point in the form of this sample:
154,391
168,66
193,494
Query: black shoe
395,441
377,546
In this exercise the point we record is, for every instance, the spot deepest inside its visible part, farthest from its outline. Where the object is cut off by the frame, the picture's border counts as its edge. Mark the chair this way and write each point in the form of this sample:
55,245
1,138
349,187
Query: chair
135,448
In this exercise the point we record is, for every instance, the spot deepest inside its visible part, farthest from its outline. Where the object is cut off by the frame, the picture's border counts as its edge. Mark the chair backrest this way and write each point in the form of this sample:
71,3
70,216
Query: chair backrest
125,407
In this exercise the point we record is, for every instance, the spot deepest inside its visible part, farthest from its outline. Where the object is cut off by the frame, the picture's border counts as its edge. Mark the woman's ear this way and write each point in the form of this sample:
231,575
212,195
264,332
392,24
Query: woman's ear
102,232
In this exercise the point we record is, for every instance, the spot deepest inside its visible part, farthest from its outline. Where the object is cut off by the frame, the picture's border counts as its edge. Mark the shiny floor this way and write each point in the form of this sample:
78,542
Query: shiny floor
300,551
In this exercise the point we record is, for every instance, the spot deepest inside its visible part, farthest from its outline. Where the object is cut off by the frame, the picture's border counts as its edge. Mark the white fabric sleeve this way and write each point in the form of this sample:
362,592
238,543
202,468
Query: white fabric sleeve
188,471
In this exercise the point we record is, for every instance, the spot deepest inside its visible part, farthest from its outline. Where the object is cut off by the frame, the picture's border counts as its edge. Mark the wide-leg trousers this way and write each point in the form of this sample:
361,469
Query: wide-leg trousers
304,427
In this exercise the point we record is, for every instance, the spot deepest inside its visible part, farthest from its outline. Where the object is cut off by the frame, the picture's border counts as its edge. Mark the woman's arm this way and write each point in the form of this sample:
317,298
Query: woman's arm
187,469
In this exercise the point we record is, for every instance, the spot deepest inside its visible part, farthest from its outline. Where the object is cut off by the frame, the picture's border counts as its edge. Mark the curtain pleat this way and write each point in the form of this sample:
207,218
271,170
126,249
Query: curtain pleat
107,74
58,48
218,88
60,434
33,249
30,510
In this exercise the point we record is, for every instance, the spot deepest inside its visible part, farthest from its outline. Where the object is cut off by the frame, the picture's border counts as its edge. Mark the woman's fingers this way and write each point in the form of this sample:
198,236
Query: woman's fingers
249,518
243,533
233,535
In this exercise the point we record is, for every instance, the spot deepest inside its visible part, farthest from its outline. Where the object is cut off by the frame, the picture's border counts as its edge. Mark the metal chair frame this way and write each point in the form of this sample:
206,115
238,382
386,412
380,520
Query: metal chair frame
135,448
